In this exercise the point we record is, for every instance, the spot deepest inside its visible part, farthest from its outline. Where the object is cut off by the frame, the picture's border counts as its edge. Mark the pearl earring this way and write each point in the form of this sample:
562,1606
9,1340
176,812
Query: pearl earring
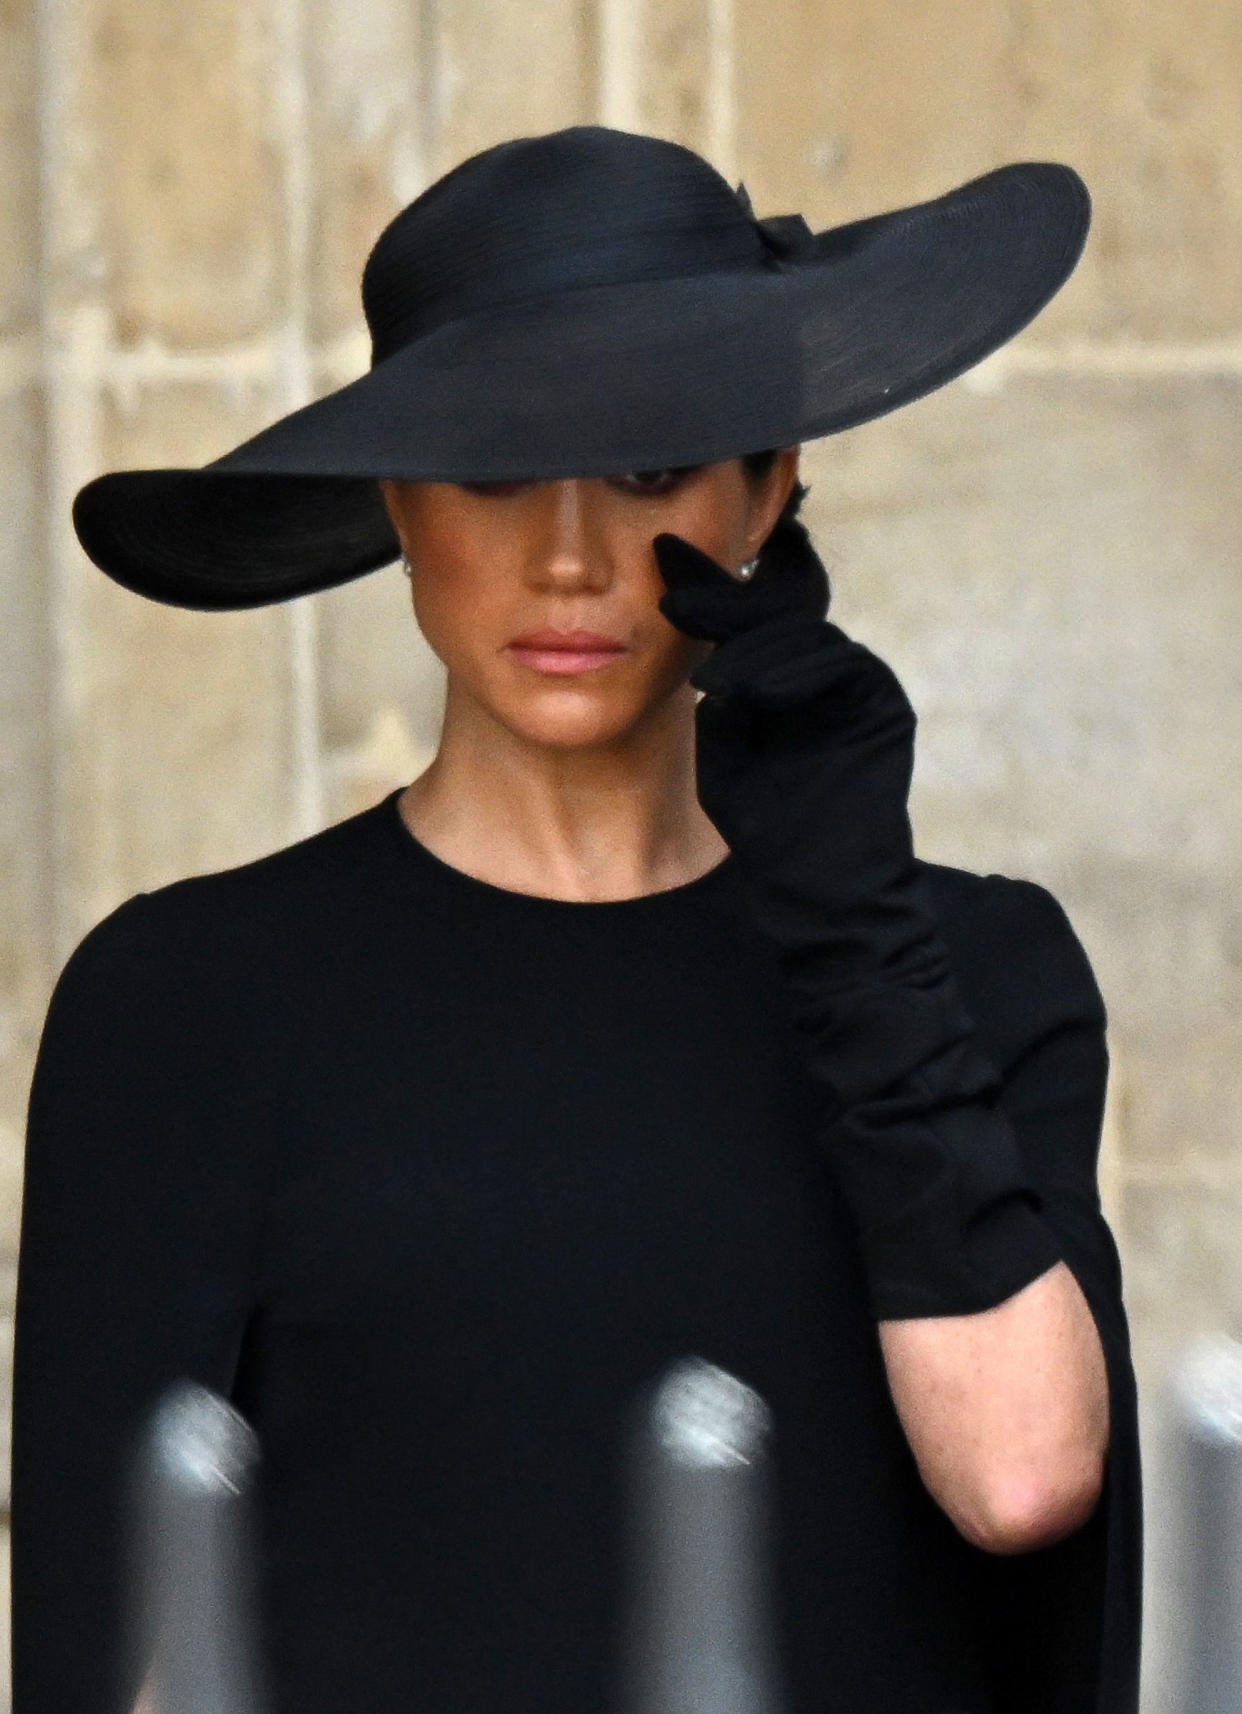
406,567
748,568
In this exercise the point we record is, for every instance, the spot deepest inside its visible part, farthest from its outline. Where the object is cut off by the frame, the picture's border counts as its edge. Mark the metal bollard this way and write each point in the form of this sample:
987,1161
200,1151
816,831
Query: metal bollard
700,1637
197,1629
1207,1432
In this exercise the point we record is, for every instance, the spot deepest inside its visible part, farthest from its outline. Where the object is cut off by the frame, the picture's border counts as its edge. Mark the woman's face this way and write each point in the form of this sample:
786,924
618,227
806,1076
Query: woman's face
540,597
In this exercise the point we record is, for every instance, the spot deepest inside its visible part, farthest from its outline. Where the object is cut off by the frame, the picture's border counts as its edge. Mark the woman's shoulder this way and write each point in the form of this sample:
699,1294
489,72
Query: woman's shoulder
247,922
1021,966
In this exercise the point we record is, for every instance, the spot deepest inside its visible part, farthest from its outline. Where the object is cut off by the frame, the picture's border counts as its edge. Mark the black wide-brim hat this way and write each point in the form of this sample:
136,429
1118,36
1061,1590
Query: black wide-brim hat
592,303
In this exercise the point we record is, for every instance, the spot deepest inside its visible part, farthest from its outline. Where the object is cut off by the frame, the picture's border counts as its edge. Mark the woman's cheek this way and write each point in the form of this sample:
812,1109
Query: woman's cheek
450,611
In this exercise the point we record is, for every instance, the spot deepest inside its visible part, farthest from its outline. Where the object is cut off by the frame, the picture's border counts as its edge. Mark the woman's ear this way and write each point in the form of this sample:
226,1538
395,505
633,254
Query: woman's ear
772,491
390,492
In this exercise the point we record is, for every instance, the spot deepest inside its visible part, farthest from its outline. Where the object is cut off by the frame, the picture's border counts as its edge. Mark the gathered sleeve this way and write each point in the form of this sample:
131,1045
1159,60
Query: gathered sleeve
1063,1622
146,1168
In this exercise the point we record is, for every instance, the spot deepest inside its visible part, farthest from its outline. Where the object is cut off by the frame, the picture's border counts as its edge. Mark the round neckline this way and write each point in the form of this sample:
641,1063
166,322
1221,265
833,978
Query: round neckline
462,878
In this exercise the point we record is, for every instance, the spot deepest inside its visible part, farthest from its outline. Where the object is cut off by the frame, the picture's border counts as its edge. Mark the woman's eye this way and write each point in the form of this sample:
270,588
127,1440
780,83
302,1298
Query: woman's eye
656,481
645,482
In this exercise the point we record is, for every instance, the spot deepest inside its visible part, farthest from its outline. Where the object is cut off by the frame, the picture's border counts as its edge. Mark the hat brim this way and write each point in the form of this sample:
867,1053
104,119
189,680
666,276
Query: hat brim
598,381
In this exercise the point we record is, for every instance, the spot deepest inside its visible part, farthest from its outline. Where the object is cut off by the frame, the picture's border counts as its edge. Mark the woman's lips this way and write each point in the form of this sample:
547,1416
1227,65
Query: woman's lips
550,651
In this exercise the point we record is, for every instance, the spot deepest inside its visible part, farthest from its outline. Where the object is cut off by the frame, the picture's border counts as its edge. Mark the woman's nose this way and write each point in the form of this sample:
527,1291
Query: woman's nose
570,552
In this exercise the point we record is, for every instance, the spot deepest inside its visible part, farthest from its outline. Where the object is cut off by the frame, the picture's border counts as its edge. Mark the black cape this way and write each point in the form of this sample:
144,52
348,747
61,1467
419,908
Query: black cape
432,1178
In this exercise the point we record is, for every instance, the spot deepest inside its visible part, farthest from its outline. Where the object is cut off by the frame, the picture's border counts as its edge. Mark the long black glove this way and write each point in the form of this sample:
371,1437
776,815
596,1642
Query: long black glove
805,747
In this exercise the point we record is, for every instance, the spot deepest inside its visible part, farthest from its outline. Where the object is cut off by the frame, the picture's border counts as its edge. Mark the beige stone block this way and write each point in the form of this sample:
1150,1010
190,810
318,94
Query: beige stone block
1183,1275
846,109
369,87
1052,570
676,95
850,106
19,170
1146,101
25,938
185,111
23,671
381,689
508,69
178,727
16,1067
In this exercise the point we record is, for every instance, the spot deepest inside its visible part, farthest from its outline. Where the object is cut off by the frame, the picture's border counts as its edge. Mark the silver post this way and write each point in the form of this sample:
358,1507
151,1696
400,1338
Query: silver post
1207,1428
196,1587
700,1637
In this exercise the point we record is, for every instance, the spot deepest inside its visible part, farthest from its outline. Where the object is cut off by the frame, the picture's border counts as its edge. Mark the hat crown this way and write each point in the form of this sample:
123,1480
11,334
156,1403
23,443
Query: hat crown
586,206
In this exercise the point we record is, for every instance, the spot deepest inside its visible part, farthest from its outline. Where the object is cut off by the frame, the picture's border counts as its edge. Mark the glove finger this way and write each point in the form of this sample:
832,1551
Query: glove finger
706,601
702,598
702,614
685,566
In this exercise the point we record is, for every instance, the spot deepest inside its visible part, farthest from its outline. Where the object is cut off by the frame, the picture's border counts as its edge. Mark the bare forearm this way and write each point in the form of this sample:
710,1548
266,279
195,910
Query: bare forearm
1006,1412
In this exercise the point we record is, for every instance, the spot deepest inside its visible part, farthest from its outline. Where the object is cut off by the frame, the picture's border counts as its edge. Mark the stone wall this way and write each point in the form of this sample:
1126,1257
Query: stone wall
1047,551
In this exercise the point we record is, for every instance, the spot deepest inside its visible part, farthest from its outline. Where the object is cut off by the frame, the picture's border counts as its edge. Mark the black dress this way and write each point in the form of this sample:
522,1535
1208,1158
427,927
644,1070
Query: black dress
431,1178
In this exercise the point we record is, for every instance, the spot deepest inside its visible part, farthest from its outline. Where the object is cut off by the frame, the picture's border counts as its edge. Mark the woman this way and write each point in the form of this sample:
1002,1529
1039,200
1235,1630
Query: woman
631,1029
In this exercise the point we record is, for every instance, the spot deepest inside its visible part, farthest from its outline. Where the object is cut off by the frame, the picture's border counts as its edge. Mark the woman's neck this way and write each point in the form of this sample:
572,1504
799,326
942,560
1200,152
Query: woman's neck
612,821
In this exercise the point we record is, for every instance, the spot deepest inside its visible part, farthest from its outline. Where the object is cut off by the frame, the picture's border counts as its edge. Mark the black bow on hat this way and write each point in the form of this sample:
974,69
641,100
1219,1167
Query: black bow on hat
590,303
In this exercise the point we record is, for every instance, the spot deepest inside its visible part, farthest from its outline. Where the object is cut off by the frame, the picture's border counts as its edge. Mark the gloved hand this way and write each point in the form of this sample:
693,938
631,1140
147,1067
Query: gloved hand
805,747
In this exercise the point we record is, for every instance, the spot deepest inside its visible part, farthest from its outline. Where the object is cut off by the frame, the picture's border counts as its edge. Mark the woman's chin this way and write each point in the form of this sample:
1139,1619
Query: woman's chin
566,722
568,735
